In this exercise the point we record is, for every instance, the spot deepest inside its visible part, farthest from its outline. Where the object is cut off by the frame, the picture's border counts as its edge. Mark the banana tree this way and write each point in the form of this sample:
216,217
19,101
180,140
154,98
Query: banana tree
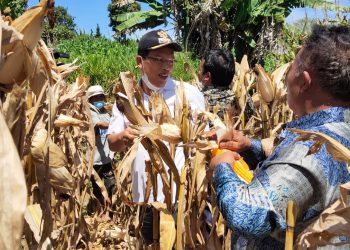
133,18
255,23
247,26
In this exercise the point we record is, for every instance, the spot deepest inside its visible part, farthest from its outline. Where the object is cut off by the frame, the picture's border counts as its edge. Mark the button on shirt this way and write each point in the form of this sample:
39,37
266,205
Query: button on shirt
119,122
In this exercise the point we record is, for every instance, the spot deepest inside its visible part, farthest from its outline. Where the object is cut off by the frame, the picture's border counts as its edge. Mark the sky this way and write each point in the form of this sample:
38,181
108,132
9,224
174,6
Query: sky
88,13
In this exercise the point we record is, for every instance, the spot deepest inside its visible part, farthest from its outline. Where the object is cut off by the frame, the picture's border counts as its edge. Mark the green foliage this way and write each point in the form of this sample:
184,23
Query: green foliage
13,8
247,26
115,10
64,27
290,42
102,59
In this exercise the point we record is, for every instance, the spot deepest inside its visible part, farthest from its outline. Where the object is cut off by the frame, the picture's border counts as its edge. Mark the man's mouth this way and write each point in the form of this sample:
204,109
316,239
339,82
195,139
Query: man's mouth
163,76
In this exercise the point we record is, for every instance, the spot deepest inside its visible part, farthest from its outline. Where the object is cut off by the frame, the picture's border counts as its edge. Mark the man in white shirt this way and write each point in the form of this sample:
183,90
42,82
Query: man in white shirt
155,59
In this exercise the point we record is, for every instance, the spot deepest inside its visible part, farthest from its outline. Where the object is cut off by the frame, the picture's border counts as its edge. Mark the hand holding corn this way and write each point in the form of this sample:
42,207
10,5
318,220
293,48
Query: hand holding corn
234,140
226,157
128,135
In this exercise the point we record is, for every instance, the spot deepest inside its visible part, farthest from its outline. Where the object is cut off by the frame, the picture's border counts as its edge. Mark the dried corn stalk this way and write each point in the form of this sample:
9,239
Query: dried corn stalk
12,191
55,140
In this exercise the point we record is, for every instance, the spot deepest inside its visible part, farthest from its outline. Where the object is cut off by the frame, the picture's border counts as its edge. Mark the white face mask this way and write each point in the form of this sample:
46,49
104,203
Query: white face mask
148,83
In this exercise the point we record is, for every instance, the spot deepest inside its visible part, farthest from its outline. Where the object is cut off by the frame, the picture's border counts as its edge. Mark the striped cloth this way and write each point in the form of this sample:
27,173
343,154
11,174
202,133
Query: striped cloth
256,212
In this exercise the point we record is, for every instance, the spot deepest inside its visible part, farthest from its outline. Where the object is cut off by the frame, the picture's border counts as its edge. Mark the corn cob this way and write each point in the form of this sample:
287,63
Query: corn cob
240,167
264,85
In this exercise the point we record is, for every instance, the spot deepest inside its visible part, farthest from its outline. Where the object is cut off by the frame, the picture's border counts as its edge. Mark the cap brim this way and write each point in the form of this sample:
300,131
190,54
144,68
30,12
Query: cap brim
175,46
89,96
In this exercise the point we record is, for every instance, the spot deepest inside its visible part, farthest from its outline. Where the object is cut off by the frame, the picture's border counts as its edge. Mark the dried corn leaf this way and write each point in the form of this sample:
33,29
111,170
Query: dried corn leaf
14,114
60,177
166,157
333,222
13,191
215,119
159,109
33,217
180,227
124,169
338,151
13,66
277,77
129,84
13,55
166,227
30,23
65,69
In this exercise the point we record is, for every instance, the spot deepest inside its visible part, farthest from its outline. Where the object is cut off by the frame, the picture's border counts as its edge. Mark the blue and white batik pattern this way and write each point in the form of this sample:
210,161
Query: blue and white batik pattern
256,211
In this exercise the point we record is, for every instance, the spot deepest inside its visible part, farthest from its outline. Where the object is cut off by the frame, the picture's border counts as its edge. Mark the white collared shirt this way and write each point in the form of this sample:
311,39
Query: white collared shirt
119,122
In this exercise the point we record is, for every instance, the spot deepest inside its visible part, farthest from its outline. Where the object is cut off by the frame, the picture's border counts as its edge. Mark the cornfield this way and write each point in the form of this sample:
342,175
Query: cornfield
47,133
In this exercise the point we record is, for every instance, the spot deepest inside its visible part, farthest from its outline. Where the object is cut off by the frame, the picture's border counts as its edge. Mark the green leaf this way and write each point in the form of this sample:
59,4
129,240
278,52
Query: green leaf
131,19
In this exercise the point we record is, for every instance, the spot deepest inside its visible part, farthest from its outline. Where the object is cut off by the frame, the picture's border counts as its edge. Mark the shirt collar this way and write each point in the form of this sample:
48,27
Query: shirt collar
335,114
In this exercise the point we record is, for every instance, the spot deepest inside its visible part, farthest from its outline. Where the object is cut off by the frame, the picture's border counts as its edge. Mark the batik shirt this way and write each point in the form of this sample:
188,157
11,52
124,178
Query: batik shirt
223,97
256,212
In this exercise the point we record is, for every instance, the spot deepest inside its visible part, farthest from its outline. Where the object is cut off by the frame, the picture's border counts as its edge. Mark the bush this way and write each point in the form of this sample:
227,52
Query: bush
102,59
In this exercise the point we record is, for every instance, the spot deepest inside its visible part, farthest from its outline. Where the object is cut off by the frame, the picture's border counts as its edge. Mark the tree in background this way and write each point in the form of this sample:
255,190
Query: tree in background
13,8
245,26
98,31
64,27
118,9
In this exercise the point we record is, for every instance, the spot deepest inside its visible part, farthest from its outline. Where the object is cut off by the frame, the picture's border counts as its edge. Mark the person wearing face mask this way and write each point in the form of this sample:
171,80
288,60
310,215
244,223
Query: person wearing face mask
103,155
215,74
155,59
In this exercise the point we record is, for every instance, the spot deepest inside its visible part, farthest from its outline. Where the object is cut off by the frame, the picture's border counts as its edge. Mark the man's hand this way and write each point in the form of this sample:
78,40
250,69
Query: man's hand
234,140
128,136
119,142
227,157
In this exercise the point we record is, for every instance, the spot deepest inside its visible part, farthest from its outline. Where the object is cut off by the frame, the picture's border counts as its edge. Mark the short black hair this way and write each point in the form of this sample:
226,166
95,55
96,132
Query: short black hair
221,65
326,53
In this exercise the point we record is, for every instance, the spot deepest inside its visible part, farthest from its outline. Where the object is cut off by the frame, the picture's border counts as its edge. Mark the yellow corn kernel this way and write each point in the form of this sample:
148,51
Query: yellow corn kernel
240,167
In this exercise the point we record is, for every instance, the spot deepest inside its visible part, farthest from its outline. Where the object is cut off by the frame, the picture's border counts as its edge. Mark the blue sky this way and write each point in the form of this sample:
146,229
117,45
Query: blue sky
89,13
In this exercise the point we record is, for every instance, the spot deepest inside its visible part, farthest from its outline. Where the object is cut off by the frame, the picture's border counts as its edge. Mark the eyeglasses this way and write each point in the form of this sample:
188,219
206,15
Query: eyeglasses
162,61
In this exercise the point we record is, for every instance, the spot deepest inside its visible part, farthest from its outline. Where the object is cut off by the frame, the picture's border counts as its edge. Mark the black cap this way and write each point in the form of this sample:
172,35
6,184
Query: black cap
157,39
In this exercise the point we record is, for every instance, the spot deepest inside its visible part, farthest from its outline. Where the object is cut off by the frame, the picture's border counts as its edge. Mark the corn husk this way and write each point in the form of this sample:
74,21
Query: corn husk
166,132
333,222
265,85
65,121
277,77
14,56
13,191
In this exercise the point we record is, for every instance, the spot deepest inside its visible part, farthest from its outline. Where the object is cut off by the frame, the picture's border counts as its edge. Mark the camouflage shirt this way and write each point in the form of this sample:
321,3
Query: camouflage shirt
222,97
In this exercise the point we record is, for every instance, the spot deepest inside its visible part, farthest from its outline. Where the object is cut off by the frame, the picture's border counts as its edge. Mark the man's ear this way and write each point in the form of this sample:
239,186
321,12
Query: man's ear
307,81
139,62
207,78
